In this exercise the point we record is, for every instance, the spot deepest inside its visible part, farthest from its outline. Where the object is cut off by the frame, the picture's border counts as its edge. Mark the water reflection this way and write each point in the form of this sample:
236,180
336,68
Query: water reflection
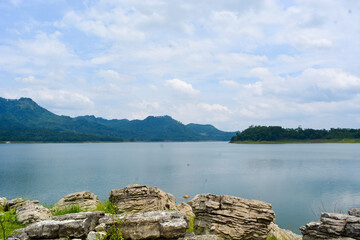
298,179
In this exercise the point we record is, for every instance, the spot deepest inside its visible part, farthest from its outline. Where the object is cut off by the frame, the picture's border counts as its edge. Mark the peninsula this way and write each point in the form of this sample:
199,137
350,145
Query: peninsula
276,134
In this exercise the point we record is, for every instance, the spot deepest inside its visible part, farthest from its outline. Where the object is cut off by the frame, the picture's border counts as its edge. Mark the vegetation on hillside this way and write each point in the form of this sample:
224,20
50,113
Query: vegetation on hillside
279,134
24,120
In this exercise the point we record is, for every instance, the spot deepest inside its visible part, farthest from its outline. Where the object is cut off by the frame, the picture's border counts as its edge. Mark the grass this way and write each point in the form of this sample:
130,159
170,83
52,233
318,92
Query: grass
301,141
70,209
191,221
107,207
8,223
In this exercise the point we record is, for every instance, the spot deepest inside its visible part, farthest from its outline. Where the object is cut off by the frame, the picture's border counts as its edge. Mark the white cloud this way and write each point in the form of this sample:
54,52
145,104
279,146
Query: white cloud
111,75
30,80
181,86
214,107
230,83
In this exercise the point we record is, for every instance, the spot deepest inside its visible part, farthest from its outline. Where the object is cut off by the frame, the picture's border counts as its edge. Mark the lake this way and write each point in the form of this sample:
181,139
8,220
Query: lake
299,180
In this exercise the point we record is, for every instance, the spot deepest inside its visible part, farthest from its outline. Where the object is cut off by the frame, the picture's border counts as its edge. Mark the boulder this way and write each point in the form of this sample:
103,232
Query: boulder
95,235
231,217
332,225
192,236
86,200
281,234
73,225
19,234
185,208
30,212
13,203
149,225
136,198
354,212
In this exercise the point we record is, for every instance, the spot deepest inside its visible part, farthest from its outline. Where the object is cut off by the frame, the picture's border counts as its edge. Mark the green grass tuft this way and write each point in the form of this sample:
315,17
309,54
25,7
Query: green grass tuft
107,207
191,228
70,209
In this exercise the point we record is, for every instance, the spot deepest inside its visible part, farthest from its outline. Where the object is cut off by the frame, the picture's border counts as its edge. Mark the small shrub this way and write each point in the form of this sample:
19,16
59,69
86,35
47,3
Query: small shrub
69,209
114,232
8,223
107,207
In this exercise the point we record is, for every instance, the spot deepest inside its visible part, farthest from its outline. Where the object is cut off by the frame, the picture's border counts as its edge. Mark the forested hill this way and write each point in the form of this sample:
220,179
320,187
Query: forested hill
275,133
25,120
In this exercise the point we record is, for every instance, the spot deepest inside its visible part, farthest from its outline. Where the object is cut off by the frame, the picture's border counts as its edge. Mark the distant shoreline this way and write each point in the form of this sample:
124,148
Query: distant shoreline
299,141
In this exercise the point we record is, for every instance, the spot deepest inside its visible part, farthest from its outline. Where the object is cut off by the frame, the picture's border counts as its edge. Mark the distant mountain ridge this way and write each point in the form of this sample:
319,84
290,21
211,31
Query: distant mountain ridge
25,120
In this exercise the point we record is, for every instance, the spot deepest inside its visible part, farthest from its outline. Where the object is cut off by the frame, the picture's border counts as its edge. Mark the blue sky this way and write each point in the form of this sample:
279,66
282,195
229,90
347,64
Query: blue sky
228,63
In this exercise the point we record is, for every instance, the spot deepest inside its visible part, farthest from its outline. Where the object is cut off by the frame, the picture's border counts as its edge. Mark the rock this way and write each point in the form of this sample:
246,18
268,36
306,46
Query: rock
332,225
281,234
185,208
13,203
150,225
354,212
30,212
231,217
58,229
95,235
74,225
86,200
192,236
80,216
101,227
2,201
136,198
19,234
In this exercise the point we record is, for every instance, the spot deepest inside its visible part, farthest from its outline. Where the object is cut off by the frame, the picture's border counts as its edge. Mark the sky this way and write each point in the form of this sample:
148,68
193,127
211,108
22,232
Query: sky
229,63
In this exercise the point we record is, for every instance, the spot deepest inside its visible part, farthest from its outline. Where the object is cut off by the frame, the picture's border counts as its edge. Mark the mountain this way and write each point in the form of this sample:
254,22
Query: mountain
25,120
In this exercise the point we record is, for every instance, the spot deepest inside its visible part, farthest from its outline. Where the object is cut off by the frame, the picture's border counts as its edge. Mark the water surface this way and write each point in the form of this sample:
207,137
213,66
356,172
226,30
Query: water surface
299,180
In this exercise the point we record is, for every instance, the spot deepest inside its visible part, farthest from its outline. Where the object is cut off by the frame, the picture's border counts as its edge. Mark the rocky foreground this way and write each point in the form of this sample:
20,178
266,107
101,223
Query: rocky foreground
150,213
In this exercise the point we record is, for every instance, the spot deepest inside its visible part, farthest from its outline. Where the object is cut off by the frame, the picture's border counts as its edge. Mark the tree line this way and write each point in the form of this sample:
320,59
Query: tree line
276,133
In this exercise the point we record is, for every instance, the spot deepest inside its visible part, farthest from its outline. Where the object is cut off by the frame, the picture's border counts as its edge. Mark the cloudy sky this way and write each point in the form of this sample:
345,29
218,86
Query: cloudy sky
230,63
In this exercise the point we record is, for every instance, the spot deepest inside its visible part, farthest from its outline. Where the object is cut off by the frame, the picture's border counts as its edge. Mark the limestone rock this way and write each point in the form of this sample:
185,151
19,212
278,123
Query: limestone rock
150,225
74,225
185,208
231,217
192,236
282,234
30,212
19,234
136,198
354,212
80,216
95,235
332,225
2,201
13,203
86,200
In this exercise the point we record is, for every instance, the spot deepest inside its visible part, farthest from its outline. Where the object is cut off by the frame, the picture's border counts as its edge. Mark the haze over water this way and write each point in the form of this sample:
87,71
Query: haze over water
299,180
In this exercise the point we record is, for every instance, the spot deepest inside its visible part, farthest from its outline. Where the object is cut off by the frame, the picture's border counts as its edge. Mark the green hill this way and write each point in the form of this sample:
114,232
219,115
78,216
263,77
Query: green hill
25,120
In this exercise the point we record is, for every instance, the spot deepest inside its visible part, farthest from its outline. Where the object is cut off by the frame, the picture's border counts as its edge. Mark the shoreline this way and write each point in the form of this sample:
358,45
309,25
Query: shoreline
294,141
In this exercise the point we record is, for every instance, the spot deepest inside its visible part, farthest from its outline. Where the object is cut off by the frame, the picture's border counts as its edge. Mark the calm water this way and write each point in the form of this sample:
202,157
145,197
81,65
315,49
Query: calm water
299,180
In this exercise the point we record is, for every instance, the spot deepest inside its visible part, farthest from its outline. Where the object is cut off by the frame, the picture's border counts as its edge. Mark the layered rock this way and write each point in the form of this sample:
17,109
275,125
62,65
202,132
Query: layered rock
74,225
281,234
85,200
29,212
136,198
332,225
231,217
185,208
13,203
354,212
192,236
149,225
